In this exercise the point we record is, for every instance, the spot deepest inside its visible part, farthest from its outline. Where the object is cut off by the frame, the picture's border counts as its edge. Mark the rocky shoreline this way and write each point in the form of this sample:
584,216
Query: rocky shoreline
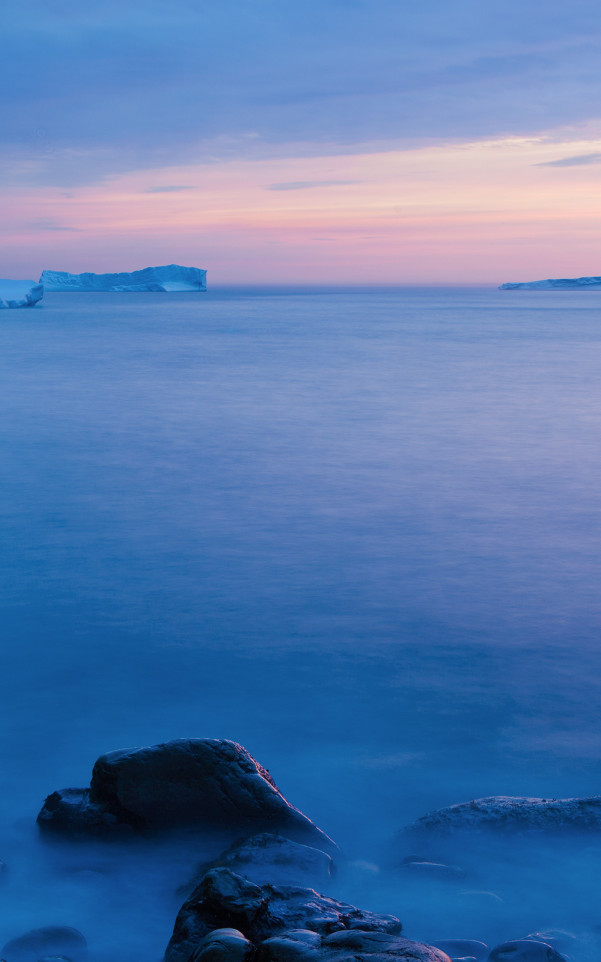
264,899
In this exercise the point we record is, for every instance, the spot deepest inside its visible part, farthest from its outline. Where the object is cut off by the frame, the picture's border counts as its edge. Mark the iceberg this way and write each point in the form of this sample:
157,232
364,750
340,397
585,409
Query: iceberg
20,293
164,279
555,284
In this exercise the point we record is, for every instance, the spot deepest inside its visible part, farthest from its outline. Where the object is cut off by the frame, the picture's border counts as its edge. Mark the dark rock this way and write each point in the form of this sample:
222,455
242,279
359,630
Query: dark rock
295,945
224,945
374,945
53,942
273,858
501,813
226,900
463,949
287,924
70,811
204,783
525,950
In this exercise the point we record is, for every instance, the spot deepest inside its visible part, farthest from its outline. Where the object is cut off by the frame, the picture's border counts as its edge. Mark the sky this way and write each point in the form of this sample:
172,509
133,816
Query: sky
328,142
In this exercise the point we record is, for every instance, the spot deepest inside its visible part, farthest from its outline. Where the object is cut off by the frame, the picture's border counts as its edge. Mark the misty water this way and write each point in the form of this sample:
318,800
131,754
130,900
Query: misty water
357,532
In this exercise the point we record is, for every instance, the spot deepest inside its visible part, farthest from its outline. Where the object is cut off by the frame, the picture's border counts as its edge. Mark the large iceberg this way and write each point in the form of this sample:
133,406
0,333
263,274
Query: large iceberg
164,279
555,284
20,293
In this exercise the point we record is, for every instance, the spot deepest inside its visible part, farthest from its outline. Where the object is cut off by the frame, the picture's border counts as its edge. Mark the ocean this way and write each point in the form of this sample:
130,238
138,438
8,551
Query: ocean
357,531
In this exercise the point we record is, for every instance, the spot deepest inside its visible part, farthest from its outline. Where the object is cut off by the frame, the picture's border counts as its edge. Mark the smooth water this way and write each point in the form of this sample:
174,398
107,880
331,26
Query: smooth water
358,532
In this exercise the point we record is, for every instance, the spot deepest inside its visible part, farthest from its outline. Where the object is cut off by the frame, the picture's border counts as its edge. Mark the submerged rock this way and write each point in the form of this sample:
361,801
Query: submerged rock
272,858
204,783
52,942
263,913
463,949
525,950
557,938
501,813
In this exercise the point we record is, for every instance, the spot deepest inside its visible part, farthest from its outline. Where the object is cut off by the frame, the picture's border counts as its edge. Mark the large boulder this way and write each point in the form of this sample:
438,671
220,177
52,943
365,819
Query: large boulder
500,813
206,783
287,924
274,858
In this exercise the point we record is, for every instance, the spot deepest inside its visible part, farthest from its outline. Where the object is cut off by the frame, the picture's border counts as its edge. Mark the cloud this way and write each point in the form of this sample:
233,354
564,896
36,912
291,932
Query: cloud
169,189
308,184
122,87
577,161
46,223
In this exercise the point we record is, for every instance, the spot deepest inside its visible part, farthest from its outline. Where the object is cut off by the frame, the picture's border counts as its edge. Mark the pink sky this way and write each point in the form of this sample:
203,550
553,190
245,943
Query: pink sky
481,212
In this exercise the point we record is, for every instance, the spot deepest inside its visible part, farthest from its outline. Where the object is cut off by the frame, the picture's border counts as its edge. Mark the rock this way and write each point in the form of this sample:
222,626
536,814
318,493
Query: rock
501,813
224,900
525,950
436,871
373,945
53,942
288,924
463,949
273,858
295,945
223,945
204,783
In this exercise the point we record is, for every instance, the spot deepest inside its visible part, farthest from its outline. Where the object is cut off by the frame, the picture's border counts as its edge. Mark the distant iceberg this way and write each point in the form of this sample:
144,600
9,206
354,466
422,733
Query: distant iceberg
20,293
555,284
163,279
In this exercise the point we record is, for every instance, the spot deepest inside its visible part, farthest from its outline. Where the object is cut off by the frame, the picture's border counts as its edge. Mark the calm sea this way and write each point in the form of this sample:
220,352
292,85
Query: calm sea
356,531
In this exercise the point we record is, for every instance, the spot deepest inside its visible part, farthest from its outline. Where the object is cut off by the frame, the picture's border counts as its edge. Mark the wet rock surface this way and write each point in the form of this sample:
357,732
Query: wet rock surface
287,922
60,942
189,782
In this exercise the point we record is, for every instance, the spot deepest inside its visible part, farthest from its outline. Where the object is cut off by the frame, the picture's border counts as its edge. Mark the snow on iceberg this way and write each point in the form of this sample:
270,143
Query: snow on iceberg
555,284
20,293
164,279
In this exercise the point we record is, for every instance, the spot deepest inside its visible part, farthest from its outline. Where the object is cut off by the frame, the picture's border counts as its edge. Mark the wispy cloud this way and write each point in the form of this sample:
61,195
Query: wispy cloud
306,79
46,223
578,161
308,184
169,189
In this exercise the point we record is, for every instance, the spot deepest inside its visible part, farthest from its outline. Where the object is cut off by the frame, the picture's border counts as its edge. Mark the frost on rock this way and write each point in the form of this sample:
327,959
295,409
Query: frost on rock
160,279
555,284
20,293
